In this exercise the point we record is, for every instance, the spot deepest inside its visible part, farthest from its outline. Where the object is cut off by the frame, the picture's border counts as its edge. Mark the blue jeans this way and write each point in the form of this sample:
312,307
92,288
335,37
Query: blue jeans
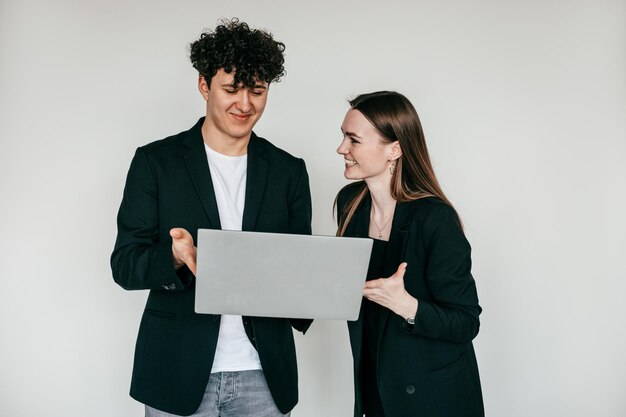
233,394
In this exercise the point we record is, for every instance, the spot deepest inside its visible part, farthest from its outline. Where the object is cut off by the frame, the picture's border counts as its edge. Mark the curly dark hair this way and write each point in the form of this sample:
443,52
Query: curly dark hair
253,54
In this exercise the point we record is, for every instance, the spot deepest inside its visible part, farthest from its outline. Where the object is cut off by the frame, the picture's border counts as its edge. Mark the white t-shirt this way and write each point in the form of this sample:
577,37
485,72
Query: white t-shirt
234,351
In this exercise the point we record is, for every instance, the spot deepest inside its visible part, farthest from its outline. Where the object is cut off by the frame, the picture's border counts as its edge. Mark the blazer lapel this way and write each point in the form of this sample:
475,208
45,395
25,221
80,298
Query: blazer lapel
395,252
397,238
256,181
198,167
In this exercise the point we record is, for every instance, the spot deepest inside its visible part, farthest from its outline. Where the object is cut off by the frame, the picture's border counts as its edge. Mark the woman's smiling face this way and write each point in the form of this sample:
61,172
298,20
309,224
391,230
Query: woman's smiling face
366,152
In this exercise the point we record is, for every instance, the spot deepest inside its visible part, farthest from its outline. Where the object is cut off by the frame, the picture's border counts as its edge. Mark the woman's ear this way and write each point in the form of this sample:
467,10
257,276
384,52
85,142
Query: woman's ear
395,151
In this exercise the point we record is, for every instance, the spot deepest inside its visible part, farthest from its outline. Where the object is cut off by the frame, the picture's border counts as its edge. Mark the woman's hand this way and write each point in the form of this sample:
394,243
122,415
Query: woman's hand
390,293
183,250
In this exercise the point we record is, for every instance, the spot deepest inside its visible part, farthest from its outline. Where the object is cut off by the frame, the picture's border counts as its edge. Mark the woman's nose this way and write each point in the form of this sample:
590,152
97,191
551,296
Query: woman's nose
342,149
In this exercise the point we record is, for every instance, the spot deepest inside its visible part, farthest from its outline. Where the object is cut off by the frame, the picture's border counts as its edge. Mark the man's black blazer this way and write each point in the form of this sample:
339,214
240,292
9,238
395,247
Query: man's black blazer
429,369
169,185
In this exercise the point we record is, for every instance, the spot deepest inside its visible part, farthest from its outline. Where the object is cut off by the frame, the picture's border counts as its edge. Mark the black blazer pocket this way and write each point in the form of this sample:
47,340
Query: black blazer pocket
450,371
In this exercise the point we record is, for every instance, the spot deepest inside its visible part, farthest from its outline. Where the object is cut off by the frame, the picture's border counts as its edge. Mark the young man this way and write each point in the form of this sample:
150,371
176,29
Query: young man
218,174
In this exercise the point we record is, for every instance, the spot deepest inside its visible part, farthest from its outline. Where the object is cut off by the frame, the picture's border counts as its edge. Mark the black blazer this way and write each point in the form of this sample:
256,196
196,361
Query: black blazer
169,185
429,369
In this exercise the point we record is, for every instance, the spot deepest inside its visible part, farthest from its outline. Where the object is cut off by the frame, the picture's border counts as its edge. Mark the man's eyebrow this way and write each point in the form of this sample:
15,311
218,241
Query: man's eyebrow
256,86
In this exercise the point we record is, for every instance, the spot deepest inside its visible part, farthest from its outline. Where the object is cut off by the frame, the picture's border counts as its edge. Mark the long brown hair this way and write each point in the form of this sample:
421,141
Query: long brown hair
393,115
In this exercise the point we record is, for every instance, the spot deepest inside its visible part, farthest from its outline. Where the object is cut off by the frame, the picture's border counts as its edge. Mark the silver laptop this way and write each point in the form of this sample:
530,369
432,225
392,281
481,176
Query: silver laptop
280,275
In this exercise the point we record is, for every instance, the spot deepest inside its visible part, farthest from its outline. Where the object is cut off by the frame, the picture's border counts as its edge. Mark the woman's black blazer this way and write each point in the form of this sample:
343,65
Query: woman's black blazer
428,369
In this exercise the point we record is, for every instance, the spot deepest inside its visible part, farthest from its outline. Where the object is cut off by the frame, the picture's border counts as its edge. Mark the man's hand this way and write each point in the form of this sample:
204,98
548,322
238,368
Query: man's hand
390,293
183,250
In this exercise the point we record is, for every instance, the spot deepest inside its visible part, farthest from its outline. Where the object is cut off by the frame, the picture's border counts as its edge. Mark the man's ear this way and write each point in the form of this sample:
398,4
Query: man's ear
203,87
395,152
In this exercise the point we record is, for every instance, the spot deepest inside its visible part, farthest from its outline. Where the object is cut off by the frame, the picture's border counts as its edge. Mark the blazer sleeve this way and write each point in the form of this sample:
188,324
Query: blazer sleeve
452,312
140,260
300,212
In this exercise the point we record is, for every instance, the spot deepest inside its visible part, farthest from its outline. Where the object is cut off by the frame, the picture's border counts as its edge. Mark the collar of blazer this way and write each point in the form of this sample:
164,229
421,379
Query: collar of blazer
359,227
200,174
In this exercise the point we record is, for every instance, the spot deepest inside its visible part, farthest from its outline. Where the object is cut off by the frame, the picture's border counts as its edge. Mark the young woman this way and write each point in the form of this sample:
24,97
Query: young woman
412,344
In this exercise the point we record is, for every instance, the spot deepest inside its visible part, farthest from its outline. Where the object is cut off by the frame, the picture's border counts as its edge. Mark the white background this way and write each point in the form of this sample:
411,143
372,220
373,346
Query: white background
523,105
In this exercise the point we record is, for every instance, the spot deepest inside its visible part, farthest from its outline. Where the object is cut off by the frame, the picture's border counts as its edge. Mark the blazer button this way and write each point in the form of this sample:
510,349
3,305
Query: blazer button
410,389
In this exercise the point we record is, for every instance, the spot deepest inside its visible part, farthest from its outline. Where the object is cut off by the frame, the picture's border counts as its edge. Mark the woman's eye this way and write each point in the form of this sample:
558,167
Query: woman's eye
351,138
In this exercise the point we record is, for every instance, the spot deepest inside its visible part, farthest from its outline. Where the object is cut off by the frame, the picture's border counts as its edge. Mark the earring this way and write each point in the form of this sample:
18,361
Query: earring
392,167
